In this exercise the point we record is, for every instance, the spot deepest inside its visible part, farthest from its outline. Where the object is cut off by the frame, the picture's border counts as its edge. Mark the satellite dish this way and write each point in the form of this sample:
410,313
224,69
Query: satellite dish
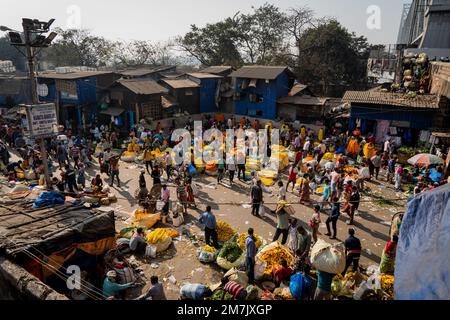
42,90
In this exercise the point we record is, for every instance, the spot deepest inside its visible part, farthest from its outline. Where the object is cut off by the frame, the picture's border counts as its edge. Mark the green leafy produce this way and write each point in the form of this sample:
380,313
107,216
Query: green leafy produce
230,251
217,295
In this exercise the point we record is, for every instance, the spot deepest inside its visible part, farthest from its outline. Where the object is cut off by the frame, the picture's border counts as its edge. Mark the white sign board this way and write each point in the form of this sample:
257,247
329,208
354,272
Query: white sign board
42,119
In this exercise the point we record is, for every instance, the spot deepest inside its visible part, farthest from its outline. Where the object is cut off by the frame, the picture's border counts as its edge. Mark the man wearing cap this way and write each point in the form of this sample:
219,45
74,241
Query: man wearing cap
110,287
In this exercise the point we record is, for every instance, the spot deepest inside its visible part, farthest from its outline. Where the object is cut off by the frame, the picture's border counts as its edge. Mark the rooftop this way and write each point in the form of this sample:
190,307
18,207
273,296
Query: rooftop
217,69
139,86
181,83
71,75
393,99
259,72
297,88
203,75
143,71
22,227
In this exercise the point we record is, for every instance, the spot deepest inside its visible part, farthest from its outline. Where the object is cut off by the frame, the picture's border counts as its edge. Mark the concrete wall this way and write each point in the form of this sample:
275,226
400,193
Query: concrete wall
17,284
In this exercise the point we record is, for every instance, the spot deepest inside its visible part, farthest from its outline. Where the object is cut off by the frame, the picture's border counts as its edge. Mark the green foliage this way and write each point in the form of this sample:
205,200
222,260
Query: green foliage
329,54
230,251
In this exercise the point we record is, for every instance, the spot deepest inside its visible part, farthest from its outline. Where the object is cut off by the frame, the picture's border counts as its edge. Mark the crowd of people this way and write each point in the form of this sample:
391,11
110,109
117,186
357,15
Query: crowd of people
340,189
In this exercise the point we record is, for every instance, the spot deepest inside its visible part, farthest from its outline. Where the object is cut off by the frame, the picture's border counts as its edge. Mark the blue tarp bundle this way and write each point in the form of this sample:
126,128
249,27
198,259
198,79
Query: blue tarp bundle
48,199
422,264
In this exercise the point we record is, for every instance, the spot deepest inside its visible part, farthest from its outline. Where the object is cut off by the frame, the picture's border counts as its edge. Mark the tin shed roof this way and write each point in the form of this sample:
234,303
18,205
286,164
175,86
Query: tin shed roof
259,72
142,86
181,83
393,99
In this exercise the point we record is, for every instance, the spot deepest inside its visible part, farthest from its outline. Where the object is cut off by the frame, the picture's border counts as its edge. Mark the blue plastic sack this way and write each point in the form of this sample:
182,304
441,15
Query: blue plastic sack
296,285
299,285
192,170
48,199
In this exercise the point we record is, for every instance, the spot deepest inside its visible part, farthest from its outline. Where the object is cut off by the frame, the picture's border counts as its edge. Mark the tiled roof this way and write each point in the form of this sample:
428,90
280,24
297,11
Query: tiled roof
393,99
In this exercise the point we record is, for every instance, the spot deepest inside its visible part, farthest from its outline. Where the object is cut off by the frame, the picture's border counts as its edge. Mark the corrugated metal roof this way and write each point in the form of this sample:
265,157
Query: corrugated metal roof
201,75
71,75
393,99
144,71
312,101
297,88
259,72
181,83
217,69
142,86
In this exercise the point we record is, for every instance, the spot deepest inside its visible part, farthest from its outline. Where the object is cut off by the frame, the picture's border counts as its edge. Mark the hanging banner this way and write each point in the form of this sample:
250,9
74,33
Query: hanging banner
42,120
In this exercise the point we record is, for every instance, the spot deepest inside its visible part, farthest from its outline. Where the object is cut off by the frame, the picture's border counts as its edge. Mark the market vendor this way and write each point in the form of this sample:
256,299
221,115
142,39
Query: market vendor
209,220
323,290
194,291
352,251
97,184
387,263
156,291
282,222
303,243
110,286
282,274
137,242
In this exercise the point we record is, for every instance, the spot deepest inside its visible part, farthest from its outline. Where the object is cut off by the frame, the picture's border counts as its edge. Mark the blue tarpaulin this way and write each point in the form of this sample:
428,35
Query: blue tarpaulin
422,264
48,199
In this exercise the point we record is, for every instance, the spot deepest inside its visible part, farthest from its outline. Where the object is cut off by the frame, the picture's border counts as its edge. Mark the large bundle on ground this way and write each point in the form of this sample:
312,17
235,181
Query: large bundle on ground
145,219
269,259
128,156
207,254
160,234
224,231
327,257
230,256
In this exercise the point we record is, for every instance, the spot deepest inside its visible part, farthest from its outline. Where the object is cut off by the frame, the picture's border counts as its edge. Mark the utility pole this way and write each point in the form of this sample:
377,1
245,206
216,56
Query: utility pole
35,96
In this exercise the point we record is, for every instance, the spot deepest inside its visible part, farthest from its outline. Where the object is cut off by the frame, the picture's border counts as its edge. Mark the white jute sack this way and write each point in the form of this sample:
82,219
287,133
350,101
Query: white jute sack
327,257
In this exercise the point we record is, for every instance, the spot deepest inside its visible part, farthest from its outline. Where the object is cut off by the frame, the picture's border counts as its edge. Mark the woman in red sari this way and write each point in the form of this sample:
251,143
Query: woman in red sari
190,193
305,190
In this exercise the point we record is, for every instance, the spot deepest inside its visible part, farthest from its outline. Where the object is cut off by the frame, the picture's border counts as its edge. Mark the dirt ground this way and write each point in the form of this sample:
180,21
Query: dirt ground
180,261
371,224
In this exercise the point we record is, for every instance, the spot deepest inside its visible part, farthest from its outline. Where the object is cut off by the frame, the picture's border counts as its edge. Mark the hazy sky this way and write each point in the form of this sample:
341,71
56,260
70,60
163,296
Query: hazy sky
161,20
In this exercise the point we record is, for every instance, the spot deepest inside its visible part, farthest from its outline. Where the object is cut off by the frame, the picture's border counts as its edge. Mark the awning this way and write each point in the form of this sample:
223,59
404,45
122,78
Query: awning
441,134
345,116
113,111
168,101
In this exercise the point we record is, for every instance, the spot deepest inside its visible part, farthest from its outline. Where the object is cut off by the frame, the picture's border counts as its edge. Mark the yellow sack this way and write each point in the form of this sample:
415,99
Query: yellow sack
267,181
328,156
146,220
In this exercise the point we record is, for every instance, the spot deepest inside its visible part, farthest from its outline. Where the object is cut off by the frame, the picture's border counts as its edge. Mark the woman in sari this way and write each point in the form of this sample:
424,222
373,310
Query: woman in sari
387,263
190,193
305,190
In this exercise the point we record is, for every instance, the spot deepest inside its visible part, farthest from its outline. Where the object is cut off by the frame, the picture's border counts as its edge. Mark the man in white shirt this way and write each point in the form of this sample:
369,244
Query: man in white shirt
297,142
306,147
230,123
334,179
364,174
387,146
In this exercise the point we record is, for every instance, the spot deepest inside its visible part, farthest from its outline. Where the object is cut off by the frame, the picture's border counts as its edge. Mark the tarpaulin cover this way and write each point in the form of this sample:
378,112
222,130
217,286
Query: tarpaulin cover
48,199
422,266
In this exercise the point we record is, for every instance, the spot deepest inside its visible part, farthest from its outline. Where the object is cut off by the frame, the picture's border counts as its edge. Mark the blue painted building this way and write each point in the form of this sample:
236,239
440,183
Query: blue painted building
77,95
209,90
392,114
257,89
